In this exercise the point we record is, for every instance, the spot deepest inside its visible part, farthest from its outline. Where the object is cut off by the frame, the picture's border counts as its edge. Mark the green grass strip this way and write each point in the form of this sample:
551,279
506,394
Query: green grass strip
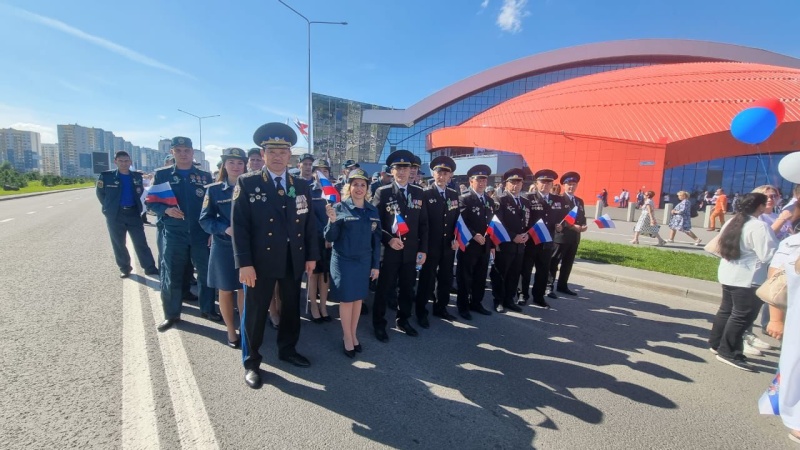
36,186
691,265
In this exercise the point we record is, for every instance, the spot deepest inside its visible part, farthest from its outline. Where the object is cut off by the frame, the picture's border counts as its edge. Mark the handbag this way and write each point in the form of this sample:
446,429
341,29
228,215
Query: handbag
713,246
773,291
650,230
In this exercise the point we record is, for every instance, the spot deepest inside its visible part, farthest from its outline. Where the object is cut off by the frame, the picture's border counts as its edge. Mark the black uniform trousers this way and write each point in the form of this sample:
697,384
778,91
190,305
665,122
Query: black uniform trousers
394,274
526,271
256,309
564,254
436,273
542,254
505,274
127,221
471,275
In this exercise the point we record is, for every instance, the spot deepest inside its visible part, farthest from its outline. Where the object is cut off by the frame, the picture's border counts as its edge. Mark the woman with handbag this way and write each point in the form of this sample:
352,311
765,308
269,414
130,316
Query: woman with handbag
746,246
647,226
682,219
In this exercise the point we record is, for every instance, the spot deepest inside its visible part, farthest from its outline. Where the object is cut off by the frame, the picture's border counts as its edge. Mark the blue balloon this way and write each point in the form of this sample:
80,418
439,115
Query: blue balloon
754,125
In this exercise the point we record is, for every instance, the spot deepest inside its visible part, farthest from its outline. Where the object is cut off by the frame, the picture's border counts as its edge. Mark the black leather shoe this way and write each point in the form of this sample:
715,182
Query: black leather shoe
235,344
167,324
189,298
252,378
480,310
552,294
465,315
151,271
423,322
212,316
406,328
315,319
513,307
124,273
444,315
296,359
566,291
327,319
380,334
522,302
358,348
541,303
350,353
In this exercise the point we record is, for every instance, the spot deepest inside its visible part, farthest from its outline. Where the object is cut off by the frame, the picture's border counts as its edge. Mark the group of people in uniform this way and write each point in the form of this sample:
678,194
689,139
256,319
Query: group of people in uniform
256,230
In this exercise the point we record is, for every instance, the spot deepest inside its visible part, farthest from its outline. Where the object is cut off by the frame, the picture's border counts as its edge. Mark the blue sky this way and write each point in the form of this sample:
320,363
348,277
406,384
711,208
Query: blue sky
128,66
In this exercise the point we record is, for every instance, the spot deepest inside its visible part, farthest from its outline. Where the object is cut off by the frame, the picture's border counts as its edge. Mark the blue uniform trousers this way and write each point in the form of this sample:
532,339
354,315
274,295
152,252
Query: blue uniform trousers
178,250
127,221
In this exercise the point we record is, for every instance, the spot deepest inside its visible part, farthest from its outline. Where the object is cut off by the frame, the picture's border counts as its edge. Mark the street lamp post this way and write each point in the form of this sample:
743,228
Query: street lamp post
308,27
200,122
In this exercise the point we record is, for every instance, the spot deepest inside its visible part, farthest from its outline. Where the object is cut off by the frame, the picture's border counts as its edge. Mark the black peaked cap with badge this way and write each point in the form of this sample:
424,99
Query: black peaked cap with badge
417,162
481,170
513,174
233,152
400,158
180,141
349,164
570,177
443,163
275,135
545,175
306,156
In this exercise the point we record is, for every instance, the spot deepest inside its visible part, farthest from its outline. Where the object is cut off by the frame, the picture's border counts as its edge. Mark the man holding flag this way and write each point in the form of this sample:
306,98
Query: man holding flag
477,210
547,208
567,240
184,238
441,204
404,221
514,215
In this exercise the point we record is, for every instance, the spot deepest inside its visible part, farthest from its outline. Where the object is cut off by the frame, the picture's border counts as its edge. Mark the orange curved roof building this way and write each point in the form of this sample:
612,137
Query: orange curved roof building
625,128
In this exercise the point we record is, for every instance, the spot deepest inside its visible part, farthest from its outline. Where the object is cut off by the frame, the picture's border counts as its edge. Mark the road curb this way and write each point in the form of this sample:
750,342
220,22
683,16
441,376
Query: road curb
36,194
694,294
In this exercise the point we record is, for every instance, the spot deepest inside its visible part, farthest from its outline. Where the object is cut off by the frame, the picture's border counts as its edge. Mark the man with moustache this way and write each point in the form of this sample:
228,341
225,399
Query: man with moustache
274,242
401,253
548,207
514,212
567,240
477,209
441,204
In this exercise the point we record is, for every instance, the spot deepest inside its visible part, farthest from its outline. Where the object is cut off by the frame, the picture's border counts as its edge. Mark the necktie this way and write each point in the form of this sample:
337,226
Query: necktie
278,184
516,199
403,195
444,197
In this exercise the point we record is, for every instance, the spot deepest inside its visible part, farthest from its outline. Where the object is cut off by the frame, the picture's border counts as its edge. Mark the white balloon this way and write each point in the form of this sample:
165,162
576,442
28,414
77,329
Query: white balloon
789,167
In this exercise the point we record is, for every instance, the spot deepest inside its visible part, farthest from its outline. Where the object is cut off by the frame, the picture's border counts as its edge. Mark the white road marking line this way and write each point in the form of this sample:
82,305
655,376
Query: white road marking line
49,206
6,220
194,426
139,422
31,212
61,203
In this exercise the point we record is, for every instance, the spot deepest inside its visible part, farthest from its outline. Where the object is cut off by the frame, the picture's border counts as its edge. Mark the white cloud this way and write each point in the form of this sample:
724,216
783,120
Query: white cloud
213,154
98,41
484,3
511,14
47,134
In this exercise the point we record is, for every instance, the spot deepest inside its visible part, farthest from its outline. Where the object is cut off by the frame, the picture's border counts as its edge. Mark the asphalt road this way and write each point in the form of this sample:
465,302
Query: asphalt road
83,367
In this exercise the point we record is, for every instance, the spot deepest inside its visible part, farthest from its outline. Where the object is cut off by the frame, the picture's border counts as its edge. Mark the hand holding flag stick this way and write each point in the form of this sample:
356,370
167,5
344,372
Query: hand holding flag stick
162,193
329,192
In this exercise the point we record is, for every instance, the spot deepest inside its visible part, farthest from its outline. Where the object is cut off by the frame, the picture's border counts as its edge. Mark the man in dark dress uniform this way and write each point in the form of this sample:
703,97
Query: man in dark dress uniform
347,166
416,163
567,241
274,242
477,209
384,178
305,166
119,192
548,208
514,213
401,252
441,204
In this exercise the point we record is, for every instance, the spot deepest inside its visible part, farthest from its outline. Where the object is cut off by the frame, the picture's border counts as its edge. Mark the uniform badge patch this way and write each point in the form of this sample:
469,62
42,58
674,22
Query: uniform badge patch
199,192
100,184
236,191
374,226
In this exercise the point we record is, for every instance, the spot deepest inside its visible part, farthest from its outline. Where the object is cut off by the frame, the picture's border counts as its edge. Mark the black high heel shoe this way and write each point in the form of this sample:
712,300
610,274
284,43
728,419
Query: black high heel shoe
235,344
315,319
349,353
326,318
358,348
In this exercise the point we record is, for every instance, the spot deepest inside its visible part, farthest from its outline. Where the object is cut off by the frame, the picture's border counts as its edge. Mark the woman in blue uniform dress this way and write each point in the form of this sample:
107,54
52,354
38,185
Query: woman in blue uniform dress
354,228
319,281
215,218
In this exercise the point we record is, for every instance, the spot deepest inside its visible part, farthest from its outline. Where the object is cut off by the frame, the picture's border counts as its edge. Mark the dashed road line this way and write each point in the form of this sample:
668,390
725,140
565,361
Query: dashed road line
6,220
31,212
49,206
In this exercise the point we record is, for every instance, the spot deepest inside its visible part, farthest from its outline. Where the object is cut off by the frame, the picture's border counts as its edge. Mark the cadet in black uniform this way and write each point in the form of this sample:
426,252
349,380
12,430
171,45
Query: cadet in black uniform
547,207
413,178
384,178
401,253
184,238
274,242
441,203
514,213
305,166
319,281
119,192
215,218
477,210
567,241
347,166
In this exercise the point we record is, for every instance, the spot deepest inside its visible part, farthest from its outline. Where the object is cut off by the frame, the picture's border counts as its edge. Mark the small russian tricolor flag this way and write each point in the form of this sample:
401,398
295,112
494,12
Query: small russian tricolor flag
328,190
463,236
497,232
605,221
161,193
572,216
399,227
768,403
539,233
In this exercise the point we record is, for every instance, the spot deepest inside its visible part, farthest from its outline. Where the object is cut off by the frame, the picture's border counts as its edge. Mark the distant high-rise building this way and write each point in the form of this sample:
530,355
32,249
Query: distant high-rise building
200,156
164,146
77,144
50,162
20,148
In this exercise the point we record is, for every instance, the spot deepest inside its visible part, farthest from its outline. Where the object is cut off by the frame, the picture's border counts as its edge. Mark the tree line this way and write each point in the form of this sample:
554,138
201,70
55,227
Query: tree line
11,178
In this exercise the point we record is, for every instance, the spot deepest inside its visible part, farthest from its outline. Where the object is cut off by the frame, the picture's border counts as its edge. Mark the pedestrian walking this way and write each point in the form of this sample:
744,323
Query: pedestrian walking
681,219
647,225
